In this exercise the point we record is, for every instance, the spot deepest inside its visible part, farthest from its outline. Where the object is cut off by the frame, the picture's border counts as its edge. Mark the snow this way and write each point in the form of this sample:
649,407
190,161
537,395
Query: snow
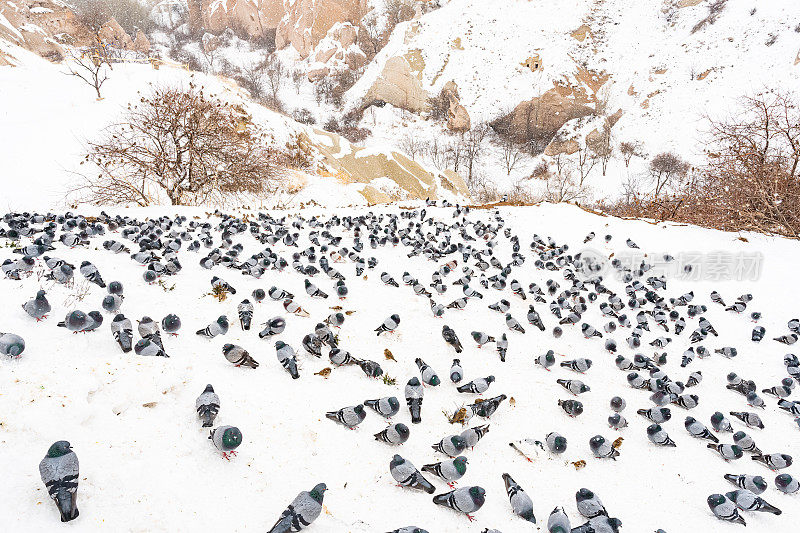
153,469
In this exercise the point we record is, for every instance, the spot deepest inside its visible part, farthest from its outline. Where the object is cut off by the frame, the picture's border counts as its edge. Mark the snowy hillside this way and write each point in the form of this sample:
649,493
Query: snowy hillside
657,62
147,465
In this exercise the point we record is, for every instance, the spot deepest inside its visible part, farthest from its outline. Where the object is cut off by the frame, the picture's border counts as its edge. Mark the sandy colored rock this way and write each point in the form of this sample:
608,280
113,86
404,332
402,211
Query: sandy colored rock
141,44
307,22
317,74
112,33
533,63
254,17
57,23
457,115
688,3
399,86
581,33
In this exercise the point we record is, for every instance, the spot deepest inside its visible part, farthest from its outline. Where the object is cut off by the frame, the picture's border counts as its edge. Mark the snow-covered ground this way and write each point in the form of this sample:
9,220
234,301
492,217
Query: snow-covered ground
147,465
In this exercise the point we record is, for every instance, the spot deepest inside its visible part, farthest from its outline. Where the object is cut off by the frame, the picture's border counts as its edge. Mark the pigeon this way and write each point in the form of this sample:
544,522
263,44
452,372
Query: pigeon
481,338
745,442
218,327
90,272
456,372
698,430
303,510
477,386
602,449
786,484
350,417
238,356
546,360
451,338
775,461
38,307
75,321
579,365
472,435
414,394
111,303
226,439
59,472
245,310
617,421
279,294
729,452
287,358
389,325
340,357
222,285
502,347
207,406
171,324
387,406
720,423
93,321
122,330
724,509
747,501
275,326
487,408
659,415
617,404
572,407
396,434
465,500
429,377
314,291
658,436
450,470
259,295
452,445
589,504
574,386
558,522
555,443
751,419
149,348
502,306
407,475
521,503
755,484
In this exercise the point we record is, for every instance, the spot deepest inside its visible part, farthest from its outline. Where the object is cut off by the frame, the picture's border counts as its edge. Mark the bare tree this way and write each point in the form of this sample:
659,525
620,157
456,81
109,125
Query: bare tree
276,73
91,65
510,154
253,78
629,149
561,186
586,161
666,169
411,144
472,142
371,39
181,144
602,148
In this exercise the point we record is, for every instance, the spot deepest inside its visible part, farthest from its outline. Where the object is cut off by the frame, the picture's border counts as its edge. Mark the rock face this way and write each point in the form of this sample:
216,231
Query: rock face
141,44
386,176
400,86
254,17
337,51
546,113
457,115
307,22
113,34
41,26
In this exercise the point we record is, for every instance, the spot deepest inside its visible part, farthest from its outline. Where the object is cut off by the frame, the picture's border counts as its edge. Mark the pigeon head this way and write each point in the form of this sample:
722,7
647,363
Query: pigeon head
394,403
560,444
782,480
115,287
584,493
715,500
460,463
652,429
458,441
318,492
279,345
59,448
435,380
232,438
40,295
594,444
223,321
478,495
402,430
359,409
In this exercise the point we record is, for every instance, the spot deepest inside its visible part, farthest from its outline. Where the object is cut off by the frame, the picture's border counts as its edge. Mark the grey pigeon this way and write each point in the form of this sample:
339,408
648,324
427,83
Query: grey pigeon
226,439
698,430
724,509
451,338
207,406
275,326
602,449
350,417
414,393
428,375
59,472
287,358
456,372
472,435
75,321
755,484
546,360
111,303
786,484
729,452
38,307
148,348
238,356
389,325
658,436
11,344
775,461
751,419
465,500
558,521
451,445
521,503
395,434
218,327
599,524
303,510
90,272
747,501
555,443
481,338
171,324
407,475
387,406
589,504
477,386
122,330
245,311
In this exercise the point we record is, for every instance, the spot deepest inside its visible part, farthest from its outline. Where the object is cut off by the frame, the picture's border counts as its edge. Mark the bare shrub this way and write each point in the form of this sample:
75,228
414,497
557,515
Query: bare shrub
412,145
629,149
275,74
91,65
253,77
304,116
439,106
181,144
666,170
715,9
398,11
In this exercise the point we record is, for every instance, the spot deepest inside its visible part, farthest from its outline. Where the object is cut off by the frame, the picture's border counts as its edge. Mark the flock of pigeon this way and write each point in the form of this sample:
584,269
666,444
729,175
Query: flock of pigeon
462,259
